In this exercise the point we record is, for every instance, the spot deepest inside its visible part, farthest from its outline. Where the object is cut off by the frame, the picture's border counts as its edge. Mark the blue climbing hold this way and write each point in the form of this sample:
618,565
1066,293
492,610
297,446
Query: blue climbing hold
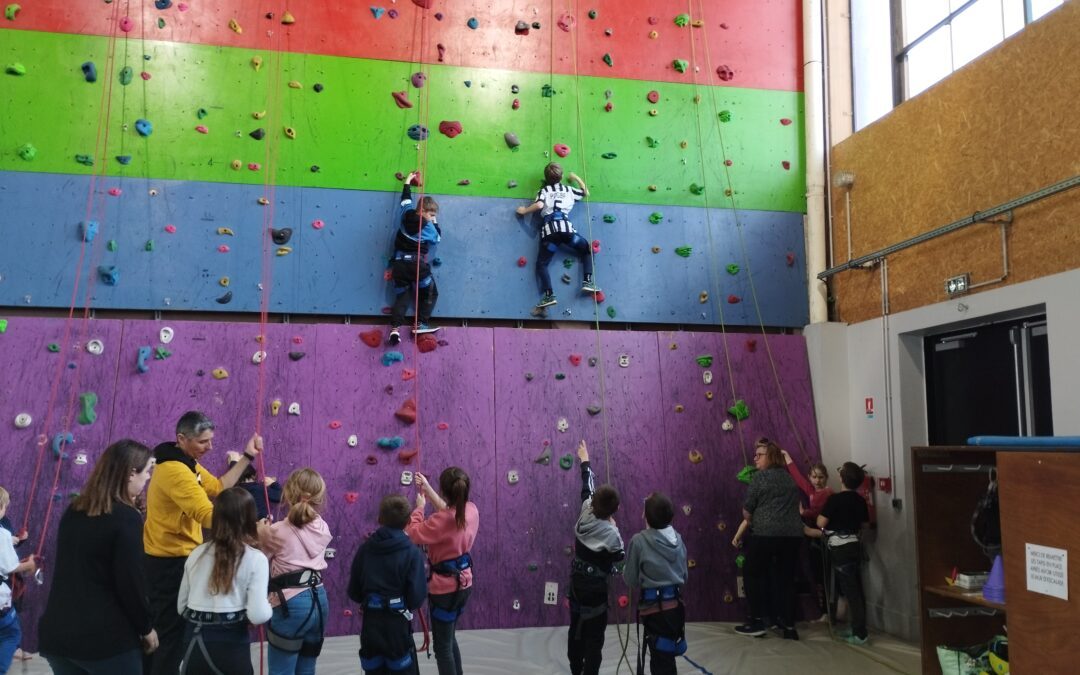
88,229
418,132
144,356
163,4
124,159
59,441
89,71
436,261
468,84
377,12
390,358
108,274
144,127
391,443
473,23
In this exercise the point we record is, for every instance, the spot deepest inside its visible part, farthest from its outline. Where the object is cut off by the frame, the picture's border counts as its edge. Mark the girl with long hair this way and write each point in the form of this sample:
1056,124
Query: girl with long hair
296,548
449,534
223,590
99,565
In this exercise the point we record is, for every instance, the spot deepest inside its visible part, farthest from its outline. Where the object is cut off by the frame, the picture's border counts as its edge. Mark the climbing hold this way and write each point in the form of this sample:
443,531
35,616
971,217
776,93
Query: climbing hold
95,347
733,299
256,62
417,132
560,376
334,424
547,91
691,563
295,84
575,360
679,408
108,274
544,457
11,10
521,28
568,263
512,476
407,412
166,334
263,201
732,268
294,408
372,460
287,18
258,357
89,71
405,456
23,420
785,121
317,87
594,410
472,23
515,104
727,425
467,83
202,129
565,22
608,61
124,159
290,132
566,462
703,297
258,134
562,425
171,229
705,360
372,338
790,259
224,299
144,127
352,441
708,395
561,149
682,19
393,13
88,229
653,96
235,27
318,224
87,414
281,236
141,358
53,347
450,128
745,474
511,139
609,155
407,374
751,345
680,65
695,457
275,407
377,12
656,249
624,360
740,410
258,114
529,377
390,442
611,312
296,356
725,73
522,261
696,189
59,442
684,251
16,69
656,217
115,192
149,245
595,247
389,358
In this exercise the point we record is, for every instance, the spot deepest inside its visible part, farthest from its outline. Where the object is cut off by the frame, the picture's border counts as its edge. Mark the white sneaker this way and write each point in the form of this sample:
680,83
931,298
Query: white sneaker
424,329
394,338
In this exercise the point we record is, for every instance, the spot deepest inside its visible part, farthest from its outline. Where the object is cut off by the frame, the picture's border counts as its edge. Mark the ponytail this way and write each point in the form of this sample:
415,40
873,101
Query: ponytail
305,492
454,485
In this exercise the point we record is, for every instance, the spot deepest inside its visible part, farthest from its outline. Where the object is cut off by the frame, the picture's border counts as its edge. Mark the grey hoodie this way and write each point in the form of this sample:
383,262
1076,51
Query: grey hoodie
657,558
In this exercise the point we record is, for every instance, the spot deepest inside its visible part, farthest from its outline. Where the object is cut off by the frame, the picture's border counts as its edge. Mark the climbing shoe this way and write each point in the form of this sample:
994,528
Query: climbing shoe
589,287
394,338
424,329
547,300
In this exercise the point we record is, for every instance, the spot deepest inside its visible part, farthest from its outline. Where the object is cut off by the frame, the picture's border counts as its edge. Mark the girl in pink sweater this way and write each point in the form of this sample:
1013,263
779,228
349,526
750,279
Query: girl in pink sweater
448,534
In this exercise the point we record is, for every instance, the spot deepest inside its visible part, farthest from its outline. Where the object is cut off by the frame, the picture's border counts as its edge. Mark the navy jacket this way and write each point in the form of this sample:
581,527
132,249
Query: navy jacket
389,564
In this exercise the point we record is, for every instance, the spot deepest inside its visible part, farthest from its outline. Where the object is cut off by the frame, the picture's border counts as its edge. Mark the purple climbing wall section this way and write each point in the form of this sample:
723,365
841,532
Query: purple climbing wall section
478,409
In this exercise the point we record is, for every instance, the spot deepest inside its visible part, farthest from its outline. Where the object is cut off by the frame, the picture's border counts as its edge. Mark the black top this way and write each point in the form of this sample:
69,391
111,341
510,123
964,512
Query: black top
773,504
97,605
846,512
388,563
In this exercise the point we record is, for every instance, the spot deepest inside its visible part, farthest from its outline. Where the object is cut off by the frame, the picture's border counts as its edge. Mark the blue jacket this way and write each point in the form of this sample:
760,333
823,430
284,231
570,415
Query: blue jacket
407,239
389,564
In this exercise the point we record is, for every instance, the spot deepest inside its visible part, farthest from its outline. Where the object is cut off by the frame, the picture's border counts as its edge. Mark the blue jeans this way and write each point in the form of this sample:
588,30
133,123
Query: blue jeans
550,244
444,633
125,663
10,636
304,621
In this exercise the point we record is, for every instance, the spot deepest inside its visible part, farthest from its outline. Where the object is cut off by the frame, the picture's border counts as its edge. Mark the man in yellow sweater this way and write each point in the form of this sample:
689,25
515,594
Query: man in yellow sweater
178,508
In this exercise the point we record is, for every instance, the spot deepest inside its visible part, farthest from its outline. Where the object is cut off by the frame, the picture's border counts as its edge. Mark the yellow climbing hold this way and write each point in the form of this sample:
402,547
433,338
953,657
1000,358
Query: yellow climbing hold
708,396
224,281
652,188
697,23
226,230
691,563
703,297
237,165
219,373
259,114
654,112
283,250
679,408
653,35
235,27
655,249
290,132
683,144
695,457
697,98
256,62
295,84
275,407
287,18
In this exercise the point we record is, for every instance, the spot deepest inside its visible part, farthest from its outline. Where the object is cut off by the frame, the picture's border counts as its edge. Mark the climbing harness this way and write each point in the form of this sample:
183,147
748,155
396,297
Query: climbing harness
450,568
201,620
375,602
307,579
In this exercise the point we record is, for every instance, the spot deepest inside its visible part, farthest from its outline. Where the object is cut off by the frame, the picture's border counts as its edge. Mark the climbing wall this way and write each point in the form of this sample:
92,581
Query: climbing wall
688,129
490,400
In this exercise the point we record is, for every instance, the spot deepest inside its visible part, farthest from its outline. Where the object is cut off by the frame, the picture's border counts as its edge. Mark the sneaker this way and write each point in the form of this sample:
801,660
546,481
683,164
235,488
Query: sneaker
791,634
394,338
547,300
753,629
843,633
424,329
589,287
856,640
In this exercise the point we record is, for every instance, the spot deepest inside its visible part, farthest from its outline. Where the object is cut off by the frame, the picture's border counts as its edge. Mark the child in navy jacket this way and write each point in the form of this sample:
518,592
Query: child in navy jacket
417,235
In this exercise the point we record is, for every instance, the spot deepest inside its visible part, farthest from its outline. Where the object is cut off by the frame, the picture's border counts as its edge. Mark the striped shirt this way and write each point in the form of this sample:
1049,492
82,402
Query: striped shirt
557,200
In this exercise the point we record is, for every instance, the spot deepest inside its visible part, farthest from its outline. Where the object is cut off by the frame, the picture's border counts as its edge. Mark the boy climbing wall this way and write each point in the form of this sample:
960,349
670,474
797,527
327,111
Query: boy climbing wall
418,233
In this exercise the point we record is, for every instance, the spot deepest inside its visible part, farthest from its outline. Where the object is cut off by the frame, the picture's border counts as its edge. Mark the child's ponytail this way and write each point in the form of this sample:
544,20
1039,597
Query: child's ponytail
454,485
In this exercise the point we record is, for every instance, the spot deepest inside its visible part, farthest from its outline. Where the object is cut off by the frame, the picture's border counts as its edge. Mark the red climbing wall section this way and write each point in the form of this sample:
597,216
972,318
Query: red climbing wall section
495,420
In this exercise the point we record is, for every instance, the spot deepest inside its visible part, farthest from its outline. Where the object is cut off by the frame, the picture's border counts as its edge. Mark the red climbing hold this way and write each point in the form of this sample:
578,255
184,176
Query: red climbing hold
387,311
449,128
372,460
335,424
653,20
407,412
407,373
733,299
348,612
115,192
402,99
751,345
599,297
351,497
426,343
728,162
171,229
522,262
423,4
297,340
442,426
786,164
372,338
405,456
785,121
575,359
562,150
725,73
442,51
565,22
516,104
653,96
609,106
596,246
417,179
202,129
790,257
624,601
387,276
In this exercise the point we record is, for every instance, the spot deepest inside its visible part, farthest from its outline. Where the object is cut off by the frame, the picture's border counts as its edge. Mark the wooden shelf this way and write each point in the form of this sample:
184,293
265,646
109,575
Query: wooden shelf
970,597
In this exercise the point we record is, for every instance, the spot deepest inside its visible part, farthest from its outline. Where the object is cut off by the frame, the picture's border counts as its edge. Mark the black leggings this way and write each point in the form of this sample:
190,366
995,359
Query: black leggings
228,646
548,247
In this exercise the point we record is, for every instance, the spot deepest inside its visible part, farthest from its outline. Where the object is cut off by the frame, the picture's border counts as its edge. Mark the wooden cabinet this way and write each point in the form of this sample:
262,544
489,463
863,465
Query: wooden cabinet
1040,504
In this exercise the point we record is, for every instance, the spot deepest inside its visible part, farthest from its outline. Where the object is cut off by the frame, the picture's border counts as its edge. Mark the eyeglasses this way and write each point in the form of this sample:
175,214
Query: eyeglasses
759,454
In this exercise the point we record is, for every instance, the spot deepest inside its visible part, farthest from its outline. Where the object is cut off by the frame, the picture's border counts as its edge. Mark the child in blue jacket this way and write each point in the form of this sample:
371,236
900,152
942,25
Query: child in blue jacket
418,233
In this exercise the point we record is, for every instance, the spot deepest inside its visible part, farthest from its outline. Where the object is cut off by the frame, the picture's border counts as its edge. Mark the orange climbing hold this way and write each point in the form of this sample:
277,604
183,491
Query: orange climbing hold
407,373
405,456
402,99
407,412
426,343
372,338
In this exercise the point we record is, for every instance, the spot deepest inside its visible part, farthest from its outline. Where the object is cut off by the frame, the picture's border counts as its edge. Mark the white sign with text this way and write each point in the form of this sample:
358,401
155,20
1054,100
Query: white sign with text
1048,571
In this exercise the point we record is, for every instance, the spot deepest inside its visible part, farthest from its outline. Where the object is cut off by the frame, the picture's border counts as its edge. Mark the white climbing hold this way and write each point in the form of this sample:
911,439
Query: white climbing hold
406,477
23,420
624,360
165,335
516,604
512,476
95,347
329,553
80,458
562,425
727,425
706,376
353,441
686,509
258,357
294,408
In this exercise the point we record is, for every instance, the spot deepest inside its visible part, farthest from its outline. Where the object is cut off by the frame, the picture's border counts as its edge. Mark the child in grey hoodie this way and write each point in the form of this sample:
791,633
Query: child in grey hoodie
597,548
657,565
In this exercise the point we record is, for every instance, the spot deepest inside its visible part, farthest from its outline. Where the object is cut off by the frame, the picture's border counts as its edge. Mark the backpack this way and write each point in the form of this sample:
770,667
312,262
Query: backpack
986,521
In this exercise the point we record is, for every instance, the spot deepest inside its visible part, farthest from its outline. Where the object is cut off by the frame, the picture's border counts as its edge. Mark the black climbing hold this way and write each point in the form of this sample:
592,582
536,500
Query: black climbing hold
225,299
314,168
528,377
296,356
199,373
282,236
89,71
258,134
536,25
594,410
514,89
317,87
124,159
592,361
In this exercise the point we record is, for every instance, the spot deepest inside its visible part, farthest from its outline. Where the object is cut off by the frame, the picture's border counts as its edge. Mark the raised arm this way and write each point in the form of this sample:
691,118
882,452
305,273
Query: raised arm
577,179
588,479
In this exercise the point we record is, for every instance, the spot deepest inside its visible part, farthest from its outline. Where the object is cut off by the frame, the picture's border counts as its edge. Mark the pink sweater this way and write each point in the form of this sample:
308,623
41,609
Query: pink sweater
445,541
817,497
290,549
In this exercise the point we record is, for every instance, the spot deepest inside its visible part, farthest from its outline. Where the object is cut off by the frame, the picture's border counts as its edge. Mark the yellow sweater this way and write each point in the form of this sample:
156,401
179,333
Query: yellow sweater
178,507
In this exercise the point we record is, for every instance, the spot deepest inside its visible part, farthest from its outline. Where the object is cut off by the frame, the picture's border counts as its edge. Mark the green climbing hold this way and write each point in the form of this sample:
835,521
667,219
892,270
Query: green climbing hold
682,20
745,474
609,155
3,326
10,11
655,217
732,268
201,113
607,60
560,376
568,263
705,360
652,142
28,152
592,13
53,347
680,65
533,567
740,560
149,245
160,22
87,414
125,75
609,218
566,462
725,116
740,410
684,251
111,245
696,189
547,91
611,312
15,69
160,353
85,160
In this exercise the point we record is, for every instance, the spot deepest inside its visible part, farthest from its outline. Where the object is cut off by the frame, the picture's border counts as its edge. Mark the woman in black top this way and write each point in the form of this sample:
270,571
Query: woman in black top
97,620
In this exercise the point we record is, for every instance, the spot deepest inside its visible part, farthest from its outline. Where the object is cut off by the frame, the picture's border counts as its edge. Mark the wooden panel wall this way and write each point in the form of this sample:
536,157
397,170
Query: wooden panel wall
997,129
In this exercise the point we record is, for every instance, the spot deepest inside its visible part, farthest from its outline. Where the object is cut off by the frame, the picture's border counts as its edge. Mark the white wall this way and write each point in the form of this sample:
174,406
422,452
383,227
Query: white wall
847,366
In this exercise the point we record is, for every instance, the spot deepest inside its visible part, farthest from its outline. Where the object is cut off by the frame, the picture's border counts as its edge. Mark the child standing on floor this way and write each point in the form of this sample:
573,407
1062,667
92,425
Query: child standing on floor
10,630
656,565
418,232
449,534
387,579
296,549
597,547
554,202
818,492
842,519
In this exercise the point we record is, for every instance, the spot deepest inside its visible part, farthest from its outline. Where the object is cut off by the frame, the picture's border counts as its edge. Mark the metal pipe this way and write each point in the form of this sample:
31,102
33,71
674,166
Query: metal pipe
1004,260
814,99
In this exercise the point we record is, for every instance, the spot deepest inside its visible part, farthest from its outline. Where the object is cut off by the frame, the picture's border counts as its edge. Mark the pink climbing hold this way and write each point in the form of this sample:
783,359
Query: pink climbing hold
297,340
183,7
402,99
733,299
790,257
786,164
725,73
442,426
609,106
335,424
224,248
346,613
115,192
546,442
318,224
388,275
565,22
596,246
624,601
785,121
449,128
575,359
387,311
561,149
254,166
751,345
516,104
171,229
442,51
653,96
202,129
724,26
351,497
407,374
144,75
126,24
522,261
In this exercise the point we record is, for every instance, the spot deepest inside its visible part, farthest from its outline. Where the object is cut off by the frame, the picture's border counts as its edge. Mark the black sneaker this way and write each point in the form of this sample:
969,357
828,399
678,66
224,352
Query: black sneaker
752,629
547,300
394,338
791,634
